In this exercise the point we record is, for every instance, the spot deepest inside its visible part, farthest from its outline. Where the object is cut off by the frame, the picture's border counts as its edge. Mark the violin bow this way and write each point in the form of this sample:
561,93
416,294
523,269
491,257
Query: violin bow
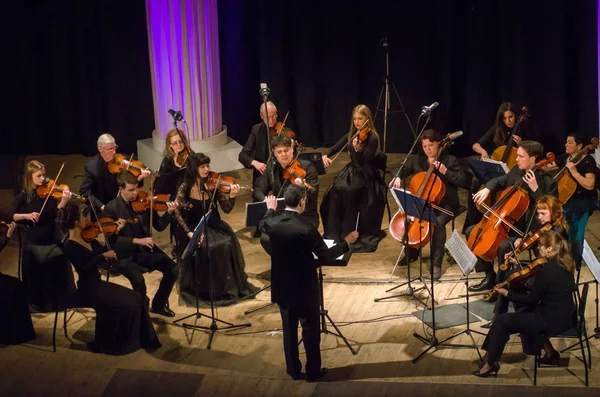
212,199
51,189
350,140
283,123
491,211
151,206
106,242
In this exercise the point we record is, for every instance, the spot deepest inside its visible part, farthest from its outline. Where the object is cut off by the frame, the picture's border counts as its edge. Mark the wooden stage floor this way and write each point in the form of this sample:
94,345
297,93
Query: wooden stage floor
250,361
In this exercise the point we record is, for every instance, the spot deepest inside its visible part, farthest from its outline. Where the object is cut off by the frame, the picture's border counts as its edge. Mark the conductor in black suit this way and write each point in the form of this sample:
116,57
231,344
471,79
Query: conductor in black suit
294,282
256,150
98,183
135,248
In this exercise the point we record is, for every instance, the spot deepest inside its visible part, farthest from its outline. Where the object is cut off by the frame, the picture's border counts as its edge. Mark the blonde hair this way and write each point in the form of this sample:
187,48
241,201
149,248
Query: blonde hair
32,167
560,246
168,151
366,112
555,207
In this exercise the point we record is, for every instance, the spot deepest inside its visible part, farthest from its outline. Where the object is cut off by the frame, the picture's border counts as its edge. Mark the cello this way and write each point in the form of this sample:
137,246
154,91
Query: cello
508,153
429,187
567,185
498,219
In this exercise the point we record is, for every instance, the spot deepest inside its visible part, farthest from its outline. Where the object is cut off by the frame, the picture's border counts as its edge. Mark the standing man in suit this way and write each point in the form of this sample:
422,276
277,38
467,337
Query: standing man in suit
294,282
134,246
98,183
255,152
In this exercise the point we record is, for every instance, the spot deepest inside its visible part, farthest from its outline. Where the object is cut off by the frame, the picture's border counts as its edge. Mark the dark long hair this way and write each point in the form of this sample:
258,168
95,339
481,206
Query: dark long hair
191,172
501,133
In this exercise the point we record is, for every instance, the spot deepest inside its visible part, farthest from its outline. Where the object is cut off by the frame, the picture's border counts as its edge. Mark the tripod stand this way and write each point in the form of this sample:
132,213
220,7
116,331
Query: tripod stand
201,229
385,90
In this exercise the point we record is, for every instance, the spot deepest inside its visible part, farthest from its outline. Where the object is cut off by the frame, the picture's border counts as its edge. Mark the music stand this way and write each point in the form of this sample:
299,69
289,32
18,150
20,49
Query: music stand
256,211
418,209
485,169
466,261
192,247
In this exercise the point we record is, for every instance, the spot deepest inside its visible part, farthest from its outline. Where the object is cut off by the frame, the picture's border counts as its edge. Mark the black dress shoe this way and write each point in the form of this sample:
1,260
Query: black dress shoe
163,311
413,255
487,326
553,359
485,284
492,371
297,375
313,378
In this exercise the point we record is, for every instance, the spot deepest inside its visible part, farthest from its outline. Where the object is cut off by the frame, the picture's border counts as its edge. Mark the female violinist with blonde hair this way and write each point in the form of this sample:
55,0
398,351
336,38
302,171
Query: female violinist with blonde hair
548,310
358,188
177,150
46,272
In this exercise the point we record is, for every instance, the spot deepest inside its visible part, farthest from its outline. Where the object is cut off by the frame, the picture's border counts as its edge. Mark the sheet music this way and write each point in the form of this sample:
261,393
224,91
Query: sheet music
461,253
591,261
500,163
330,243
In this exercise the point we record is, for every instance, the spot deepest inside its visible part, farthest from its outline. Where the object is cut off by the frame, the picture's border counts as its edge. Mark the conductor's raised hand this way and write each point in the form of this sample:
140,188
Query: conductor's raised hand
351,237
271,202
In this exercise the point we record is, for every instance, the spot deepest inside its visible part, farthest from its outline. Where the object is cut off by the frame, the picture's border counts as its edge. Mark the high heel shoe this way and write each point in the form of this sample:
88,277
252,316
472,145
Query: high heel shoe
492,371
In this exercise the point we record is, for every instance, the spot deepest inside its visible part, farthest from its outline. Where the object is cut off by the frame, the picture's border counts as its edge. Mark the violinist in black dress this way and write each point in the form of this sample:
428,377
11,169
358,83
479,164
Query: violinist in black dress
47,273
225,264
14,309
536,183
452,175
358,188
134,246
177,150
549,307
273,180
123,324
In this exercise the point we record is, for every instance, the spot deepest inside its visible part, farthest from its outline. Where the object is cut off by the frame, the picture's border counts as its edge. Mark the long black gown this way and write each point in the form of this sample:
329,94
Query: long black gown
47,273
359,187
225,257
123,324
14,310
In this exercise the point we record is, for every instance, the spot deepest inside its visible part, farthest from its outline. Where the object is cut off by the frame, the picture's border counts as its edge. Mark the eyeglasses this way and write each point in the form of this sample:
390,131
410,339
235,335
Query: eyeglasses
177,143
111,150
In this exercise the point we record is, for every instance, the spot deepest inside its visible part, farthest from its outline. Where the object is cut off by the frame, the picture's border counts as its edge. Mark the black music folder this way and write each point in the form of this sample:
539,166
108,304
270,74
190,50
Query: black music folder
341,260
414,206
256,211
193,244
486,169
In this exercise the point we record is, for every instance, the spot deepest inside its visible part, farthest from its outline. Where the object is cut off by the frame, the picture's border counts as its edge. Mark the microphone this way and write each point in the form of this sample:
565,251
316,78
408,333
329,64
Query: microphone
264,91
177,116
428,109
453,136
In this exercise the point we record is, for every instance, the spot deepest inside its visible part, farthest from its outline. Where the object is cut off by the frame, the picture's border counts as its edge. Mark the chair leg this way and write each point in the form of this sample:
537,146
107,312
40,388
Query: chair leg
536,362
65,324
54,332
585,363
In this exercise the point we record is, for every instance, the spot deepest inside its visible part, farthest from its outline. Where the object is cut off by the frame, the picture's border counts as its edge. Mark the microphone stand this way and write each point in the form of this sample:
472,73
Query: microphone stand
264,92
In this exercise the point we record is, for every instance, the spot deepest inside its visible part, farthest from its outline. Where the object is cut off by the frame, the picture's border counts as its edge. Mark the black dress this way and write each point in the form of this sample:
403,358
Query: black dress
14,310
123,324
359,187
47,273
225,257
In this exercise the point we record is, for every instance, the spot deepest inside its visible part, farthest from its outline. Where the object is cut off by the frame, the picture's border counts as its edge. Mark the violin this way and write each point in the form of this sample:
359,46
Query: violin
224,183
159,202
54,190
120,164
293,171
508,153
526,244
567,185
430,187
181,158
363,133
493,228
109,226
517,279
280,128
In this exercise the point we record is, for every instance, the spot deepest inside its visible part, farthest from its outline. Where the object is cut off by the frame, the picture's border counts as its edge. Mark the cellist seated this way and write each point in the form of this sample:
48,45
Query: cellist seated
534,182
452,175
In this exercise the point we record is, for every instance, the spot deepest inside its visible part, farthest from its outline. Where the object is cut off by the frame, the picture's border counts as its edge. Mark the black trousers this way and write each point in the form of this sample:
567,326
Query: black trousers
524,322
135,266
308,317
503,249
438,239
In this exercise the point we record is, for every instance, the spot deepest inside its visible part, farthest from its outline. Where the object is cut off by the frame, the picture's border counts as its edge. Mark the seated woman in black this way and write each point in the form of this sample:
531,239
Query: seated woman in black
47,274
123,324
225,263
177,150
549,307
358,188
14,310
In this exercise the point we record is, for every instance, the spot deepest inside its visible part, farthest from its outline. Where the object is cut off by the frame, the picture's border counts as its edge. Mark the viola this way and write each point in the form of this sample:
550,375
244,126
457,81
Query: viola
498,219
508,153
109,226
159,202
182,157
430,187
567,185
363,133
224,183
517,279
56,191
526,244
293,171
120,164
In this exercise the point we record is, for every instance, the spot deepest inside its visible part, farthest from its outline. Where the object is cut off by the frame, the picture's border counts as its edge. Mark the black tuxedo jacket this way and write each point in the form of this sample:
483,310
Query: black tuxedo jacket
256,147
122,243
98,183
294,280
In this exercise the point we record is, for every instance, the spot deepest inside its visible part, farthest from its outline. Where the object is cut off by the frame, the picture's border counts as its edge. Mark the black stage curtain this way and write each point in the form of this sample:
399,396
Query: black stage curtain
321,58
75,69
